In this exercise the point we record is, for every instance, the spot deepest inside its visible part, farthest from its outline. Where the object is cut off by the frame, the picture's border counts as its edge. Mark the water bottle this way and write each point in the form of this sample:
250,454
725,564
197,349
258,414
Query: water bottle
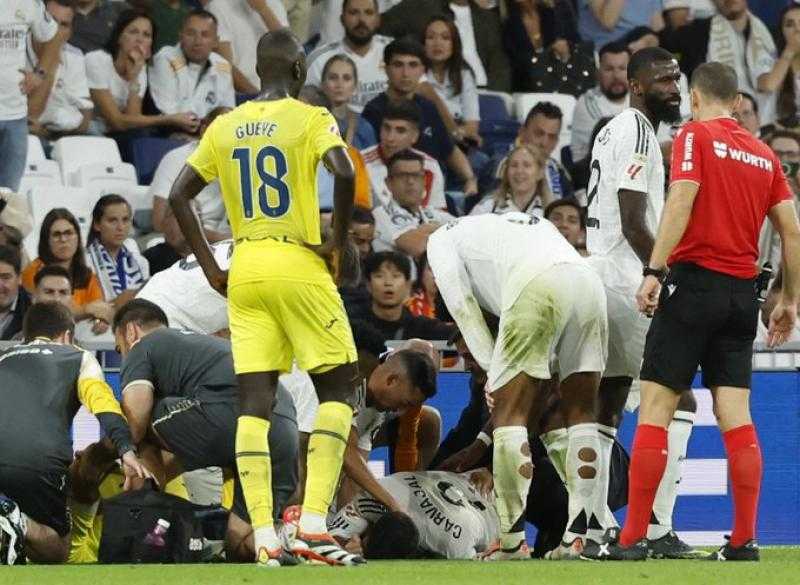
155,538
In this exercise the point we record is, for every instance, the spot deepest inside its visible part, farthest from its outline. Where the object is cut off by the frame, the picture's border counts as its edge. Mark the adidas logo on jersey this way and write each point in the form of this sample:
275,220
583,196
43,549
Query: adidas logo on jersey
722,150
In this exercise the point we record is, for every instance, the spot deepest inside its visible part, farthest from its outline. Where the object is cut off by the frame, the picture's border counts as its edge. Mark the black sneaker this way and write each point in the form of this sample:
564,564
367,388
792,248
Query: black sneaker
670,546
611,550
12,532
747,552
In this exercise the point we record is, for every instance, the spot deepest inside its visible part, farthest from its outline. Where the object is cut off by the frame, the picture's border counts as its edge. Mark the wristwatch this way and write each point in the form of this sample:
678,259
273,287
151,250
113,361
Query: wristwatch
659,273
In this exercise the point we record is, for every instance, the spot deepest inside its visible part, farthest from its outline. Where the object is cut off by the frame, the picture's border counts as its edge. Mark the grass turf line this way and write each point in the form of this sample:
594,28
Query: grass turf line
778,566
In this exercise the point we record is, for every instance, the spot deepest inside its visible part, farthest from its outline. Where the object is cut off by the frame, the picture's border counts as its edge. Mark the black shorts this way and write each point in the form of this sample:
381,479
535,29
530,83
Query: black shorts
705,319
41,495
200,434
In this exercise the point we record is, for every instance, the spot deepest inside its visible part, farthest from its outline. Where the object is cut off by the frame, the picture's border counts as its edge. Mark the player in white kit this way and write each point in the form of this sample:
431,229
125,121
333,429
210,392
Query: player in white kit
450,517
550,303
625,200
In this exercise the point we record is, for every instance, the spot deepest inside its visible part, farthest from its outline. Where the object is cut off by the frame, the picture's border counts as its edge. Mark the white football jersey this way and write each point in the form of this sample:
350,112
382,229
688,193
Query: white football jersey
185,295
484,262
626,155
454,520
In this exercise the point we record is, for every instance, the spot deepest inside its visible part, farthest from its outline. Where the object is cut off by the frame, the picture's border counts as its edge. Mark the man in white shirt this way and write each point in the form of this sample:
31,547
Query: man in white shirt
361,20
190,77
400,131
61,104
18,19
609,98
550,305
241,24
403,224
446,514
625,201
209,205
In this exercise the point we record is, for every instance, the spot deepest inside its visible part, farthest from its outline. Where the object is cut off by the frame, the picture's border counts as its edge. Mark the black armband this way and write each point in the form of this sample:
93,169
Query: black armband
116,429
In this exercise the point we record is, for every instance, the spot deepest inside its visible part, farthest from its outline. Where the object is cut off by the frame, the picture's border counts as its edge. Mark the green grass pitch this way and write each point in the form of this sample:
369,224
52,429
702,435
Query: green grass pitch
778,566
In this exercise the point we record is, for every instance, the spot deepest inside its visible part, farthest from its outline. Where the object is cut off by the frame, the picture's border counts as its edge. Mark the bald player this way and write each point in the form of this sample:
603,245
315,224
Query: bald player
283,302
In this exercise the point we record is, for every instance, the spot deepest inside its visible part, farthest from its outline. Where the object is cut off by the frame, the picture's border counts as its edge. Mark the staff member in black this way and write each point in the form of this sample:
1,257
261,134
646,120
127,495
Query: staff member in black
724,182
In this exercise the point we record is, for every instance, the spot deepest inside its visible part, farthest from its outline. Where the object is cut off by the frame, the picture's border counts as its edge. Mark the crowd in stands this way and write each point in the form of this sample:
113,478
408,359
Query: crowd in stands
414,86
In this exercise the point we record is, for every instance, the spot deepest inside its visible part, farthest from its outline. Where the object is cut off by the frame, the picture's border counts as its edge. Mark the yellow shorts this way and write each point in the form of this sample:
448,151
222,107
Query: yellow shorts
283,305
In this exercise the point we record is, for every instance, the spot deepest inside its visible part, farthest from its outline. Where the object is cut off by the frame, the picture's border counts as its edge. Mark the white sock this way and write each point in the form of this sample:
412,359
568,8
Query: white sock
265,537
555,442
513,470
678,433
312,523
583,458
605,437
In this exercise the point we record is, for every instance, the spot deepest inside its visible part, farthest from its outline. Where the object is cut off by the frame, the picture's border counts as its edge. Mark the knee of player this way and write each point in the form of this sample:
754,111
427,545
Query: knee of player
337,384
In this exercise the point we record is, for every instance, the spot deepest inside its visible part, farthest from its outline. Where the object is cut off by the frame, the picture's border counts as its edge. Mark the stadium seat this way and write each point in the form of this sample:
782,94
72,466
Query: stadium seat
102,178
39,172
243,97
494,105
35,150
523,102
147,153
498,135
43,198
73,152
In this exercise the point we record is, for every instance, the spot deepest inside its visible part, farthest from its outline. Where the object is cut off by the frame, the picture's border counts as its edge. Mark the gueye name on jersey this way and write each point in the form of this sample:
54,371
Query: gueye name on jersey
261,128
431,510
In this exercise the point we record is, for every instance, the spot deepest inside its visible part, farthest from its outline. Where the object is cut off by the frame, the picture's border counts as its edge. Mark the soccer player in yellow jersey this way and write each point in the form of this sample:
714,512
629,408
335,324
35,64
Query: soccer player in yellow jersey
283,303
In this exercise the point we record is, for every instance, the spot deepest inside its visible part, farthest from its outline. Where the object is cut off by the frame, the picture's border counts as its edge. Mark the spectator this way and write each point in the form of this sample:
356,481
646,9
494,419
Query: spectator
170,16
298,12
746,113
523,185
734,37
241,24
609,98
60,243
190,76
361,43
388,277
785,74
679,12
568,217
604,21
786,146
20,18
94,22
331,28
113,255
14,300
404,224
452,78
479,26
208,204
405,65
399,131
339,82
362,231
61,104
118,79
421,303
52,284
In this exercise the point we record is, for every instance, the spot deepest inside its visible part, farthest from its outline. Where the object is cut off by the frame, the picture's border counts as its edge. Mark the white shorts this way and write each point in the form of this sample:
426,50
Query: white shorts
627,330
562,314
300,387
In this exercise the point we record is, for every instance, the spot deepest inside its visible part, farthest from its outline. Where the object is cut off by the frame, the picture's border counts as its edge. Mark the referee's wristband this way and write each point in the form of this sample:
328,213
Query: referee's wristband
484,438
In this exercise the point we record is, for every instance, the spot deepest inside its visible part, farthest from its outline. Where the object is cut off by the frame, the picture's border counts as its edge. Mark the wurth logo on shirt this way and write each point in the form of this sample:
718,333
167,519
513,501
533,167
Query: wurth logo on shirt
722,150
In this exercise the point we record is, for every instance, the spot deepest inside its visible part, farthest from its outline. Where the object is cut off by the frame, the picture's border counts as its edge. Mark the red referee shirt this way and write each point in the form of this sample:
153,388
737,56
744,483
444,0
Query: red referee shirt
740,179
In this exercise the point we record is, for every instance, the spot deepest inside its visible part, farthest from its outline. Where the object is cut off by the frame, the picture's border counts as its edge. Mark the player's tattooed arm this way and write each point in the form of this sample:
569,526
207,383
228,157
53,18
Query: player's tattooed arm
633,217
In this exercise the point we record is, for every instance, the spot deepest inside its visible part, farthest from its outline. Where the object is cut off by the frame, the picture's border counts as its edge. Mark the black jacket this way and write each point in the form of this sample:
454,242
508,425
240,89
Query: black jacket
15,325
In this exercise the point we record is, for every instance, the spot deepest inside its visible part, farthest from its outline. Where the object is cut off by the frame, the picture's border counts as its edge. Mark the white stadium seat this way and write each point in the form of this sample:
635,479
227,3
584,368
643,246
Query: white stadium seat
523,102
74,152
43,198
40,172
35,150
102,178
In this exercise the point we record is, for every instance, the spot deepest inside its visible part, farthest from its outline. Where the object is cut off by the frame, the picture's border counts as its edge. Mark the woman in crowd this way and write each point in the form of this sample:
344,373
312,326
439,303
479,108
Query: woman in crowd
785,75
523,186
118,79
113,254
452,78
339,82
60,243
423,293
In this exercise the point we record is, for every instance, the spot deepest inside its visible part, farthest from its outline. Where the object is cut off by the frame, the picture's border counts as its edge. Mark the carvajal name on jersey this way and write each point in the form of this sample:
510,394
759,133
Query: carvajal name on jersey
431,510
261,128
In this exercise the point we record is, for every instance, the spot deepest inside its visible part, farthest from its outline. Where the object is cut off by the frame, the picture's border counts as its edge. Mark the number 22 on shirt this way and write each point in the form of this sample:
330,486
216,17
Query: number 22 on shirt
272,197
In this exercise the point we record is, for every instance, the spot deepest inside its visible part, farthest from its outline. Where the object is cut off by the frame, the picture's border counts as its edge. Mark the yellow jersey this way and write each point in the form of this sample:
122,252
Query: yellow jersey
265,155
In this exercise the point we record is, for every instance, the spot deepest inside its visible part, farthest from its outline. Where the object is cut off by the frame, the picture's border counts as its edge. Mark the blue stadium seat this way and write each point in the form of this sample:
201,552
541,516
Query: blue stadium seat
492,108
498,135
243,97
147,153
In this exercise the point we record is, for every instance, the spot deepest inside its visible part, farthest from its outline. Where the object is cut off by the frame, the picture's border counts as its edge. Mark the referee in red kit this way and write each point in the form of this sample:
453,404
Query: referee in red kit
724,182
